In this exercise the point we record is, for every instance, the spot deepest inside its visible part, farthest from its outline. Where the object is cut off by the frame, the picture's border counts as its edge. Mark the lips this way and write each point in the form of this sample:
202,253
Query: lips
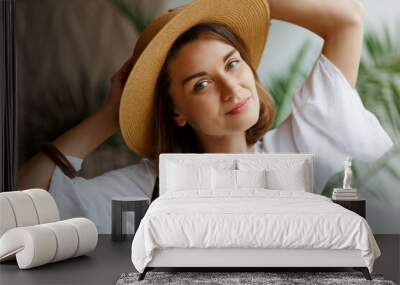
239,107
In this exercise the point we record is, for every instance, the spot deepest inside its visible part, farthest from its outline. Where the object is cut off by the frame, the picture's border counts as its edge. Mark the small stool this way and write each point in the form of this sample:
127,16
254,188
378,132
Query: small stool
138,205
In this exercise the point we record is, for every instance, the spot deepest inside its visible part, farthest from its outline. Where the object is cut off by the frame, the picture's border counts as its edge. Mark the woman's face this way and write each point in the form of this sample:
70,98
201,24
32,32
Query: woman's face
208,79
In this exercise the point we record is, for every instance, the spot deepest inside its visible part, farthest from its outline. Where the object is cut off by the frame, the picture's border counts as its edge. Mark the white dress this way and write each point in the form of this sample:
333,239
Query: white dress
328,119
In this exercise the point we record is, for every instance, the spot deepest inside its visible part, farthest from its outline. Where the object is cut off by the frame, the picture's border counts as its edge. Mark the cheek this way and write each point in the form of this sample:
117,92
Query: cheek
202,114
202,111
250,83
256,105
248,77
198,111
255,102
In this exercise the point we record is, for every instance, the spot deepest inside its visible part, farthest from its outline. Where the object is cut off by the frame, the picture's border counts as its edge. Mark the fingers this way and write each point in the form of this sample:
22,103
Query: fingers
127,67
177,8
123,73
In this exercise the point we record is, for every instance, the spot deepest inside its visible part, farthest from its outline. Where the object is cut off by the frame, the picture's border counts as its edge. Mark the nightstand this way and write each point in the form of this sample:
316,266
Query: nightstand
358,206
120,205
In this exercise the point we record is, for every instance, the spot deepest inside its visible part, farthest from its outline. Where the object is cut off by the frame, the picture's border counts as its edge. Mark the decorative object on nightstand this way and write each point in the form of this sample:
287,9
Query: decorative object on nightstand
120,205
346,193
358,206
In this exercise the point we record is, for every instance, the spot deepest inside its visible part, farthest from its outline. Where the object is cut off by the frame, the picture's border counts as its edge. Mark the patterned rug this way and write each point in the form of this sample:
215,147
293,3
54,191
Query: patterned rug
273,278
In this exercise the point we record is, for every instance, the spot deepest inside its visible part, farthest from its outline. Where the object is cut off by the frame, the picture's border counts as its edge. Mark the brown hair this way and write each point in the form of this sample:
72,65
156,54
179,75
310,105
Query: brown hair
171,138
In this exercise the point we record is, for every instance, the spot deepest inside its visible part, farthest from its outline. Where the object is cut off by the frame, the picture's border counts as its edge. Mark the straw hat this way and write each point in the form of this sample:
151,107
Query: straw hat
249,19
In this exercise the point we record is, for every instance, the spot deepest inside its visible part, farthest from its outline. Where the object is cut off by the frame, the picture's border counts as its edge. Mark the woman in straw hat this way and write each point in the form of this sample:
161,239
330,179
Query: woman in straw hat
191,86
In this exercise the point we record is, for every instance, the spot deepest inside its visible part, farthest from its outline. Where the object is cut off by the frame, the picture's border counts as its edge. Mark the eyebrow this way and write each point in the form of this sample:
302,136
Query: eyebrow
190,77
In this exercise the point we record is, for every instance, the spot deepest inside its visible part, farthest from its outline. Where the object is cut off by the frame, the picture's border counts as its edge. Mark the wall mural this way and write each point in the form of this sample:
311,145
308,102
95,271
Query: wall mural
378,85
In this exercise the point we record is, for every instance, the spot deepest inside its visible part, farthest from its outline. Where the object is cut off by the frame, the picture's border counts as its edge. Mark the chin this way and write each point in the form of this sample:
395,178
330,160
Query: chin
251,122
245,122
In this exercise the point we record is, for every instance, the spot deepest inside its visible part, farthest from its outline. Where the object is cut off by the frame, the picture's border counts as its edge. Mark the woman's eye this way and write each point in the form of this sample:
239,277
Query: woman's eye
200,86
233,63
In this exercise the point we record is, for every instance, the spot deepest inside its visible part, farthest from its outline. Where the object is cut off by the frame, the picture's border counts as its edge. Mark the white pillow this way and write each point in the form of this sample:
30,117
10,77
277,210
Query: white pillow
224,179
235,179
282,174
252,178
182,177
293,178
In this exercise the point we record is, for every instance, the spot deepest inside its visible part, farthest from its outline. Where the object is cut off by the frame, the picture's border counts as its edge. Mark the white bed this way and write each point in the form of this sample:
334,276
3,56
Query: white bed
201,223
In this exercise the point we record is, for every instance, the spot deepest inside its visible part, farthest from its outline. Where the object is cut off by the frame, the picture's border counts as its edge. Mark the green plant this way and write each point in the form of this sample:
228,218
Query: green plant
379,79
282,87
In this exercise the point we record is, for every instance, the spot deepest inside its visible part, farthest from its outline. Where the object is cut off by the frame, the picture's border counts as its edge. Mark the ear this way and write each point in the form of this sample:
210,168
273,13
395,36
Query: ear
179,120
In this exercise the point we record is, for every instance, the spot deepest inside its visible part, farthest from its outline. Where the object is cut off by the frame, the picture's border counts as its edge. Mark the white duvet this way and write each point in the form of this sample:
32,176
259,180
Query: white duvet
250,218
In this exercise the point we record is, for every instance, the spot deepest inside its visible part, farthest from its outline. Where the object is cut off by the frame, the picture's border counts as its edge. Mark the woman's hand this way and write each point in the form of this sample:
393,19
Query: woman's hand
118,81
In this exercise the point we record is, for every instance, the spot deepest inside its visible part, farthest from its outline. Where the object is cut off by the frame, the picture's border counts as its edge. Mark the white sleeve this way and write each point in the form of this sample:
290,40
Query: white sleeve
329,117
329,120
91,198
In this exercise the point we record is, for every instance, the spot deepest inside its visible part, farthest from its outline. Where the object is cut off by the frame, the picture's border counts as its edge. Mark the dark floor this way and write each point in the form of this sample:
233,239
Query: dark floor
111,259
389,262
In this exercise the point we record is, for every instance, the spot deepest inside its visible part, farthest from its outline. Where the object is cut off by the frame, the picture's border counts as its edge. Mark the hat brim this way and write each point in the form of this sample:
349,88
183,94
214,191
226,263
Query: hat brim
249,19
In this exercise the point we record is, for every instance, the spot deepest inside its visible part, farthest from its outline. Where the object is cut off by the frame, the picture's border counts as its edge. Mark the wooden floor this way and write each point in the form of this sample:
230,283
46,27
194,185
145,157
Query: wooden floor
111,259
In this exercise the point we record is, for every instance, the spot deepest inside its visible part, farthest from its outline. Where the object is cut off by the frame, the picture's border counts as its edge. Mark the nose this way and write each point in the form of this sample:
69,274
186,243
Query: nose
229,88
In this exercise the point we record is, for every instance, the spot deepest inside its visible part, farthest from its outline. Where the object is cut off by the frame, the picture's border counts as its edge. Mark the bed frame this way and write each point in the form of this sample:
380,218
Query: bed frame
248,259
236,259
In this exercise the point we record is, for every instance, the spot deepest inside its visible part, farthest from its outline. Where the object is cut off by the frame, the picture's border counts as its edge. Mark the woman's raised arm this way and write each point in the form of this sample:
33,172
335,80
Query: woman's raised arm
81,139
338,22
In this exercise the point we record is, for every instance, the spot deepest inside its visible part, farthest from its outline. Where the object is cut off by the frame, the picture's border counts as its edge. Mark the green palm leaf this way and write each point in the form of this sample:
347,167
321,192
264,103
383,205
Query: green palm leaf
282,88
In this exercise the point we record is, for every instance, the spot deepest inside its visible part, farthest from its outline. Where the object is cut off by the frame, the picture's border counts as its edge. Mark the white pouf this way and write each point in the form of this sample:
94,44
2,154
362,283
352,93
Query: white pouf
31,233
